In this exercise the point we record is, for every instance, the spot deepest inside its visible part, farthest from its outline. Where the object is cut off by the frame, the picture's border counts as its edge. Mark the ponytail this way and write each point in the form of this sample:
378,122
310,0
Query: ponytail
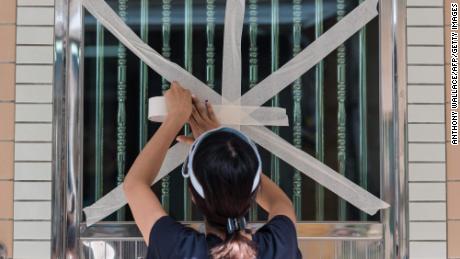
235,246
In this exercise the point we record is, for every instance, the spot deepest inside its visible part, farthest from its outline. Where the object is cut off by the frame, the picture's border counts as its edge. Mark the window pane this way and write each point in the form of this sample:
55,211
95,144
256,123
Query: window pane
333,108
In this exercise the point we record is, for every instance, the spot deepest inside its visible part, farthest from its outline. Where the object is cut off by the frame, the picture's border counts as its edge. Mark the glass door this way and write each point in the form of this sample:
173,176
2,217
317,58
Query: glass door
334,111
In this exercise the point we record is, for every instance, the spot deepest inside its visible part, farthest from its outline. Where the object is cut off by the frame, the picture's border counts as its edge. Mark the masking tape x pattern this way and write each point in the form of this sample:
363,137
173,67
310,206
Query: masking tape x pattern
241,111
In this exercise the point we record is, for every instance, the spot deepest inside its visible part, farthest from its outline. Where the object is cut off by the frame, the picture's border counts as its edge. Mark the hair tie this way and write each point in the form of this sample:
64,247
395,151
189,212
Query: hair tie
235,224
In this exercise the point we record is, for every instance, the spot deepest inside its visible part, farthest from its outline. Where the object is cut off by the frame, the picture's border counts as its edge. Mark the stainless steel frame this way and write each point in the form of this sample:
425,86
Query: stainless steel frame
314,231
67,227
67,129
393,126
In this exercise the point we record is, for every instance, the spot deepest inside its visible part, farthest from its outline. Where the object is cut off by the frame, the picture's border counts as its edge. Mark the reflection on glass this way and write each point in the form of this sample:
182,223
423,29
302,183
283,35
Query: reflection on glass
333,108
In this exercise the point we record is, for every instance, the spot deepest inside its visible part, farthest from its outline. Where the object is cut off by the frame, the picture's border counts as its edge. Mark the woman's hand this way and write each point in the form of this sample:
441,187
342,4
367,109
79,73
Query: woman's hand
178,103
201,120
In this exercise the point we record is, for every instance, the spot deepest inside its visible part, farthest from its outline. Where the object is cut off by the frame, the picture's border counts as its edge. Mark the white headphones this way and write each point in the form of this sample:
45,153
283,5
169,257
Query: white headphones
189,162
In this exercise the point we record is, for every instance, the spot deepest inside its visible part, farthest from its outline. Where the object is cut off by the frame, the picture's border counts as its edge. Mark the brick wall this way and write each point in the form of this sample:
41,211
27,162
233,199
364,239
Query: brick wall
453,153
7,97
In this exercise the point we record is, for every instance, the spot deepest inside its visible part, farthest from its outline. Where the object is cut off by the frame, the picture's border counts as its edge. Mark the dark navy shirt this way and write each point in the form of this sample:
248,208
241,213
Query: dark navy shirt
170,239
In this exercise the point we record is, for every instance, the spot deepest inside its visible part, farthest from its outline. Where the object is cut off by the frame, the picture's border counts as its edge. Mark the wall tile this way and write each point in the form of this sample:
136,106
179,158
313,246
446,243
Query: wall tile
35,55
425,16
32,249
6,160
7,42
453,200
6,234
32,171
427,152
36,2
8,11
32,230
425,74
7,72
34,74
34,93
424,36
420,172
453,166
35,35
425,55
427,231
419,211
425,94
427,191
32,152
453,239
32,190
427,250
7,121
6,200
32,210
35,16
425,3
426,132
34,112
33,132
425,113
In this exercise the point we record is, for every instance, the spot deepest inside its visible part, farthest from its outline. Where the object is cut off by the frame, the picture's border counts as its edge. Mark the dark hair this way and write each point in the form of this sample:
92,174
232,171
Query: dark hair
225,165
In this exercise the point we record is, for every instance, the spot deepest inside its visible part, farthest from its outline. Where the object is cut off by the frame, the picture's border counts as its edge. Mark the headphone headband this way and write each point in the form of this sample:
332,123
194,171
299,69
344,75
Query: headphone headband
189,162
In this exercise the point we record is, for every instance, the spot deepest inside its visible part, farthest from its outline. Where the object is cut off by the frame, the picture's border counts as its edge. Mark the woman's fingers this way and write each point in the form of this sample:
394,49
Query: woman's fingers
210,110
193,123
196,115
201,109
196,129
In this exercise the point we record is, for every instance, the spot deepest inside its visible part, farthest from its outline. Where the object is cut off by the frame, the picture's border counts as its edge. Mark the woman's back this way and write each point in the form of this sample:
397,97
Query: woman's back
171,239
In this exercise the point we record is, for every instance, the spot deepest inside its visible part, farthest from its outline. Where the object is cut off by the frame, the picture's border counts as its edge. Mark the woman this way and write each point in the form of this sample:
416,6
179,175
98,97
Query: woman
225,175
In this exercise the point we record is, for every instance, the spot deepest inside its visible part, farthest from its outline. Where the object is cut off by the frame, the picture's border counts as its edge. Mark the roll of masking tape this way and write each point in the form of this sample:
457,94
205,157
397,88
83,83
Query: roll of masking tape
228,114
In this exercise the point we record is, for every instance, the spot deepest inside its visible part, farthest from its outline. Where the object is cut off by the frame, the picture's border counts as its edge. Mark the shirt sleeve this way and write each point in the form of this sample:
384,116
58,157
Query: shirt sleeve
278,239
170,239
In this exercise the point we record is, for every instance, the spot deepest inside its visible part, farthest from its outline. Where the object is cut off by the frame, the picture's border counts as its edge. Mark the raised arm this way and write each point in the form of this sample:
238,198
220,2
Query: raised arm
273,200
144,204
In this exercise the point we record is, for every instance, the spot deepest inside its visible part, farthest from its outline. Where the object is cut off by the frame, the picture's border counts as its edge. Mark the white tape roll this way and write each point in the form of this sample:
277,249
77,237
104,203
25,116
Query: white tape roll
229,114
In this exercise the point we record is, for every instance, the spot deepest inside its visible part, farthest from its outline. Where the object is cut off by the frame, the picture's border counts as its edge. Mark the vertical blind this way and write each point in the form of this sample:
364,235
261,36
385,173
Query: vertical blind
333,108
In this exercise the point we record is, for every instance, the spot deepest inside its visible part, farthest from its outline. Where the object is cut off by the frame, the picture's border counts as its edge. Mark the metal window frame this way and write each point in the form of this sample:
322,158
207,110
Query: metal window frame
67,228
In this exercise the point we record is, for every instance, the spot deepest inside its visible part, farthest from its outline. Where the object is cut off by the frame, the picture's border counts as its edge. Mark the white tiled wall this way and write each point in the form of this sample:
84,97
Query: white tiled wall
426,129
425,94
38,15
30,249
33,129
35,35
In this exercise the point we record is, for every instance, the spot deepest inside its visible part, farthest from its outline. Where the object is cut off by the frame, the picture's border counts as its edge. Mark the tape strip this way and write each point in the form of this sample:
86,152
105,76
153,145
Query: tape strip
316,170
231,61
229,114
167,69
115,199
256,96
310,56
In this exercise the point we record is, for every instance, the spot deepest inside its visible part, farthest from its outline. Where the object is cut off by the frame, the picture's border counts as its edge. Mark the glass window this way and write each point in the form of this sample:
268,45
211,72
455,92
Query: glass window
333,108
